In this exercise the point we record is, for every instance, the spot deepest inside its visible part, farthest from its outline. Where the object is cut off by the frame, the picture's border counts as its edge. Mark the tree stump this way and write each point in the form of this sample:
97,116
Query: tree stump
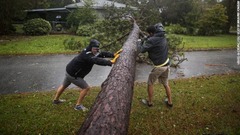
110,113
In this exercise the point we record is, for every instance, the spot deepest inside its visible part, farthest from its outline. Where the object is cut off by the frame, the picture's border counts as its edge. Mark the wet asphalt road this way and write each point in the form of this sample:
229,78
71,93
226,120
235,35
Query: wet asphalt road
39,73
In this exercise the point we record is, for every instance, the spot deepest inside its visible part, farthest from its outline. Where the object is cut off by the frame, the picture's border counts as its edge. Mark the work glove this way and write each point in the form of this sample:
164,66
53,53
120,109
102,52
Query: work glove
118,52
115,58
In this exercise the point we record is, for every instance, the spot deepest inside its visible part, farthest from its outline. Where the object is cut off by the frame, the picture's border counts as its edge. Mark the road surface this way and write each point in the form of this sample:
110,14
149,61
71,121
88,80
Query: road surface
41,73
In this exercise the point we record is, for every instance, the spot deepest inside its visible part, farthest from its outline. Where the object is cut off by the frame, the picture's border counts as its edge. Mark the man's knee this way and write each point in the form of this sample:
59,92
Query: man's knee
61,88
166,85
86,89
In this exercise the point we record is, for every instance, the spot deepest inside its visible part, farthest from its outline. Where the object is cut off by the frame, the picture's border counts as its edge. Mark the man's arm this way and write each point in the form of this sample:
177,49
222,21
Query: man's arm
106,55
100,61
144,46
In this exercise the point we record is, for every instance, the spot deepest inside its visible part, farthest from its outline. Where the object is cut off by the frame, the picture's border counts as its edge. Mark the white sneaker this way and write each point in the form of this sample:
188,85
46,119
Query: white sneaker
80,107
167,104
145,102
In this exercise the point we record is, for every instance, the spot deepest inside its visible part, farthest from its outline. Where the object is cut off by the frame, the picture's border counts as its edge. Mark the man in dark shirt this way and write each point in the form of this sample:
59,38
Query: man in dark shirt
80,66
156,46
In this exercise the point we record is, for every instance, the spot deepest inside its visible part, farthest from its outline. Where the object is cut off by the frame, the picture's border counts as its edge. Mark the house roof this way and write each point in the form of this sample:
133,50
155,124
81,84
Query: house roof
98,4
48,9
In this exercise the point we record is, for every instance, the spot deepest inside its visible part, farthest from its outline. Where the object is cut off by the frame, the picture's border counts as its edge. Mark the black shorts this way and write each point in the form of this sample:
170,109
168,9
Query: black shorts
78,81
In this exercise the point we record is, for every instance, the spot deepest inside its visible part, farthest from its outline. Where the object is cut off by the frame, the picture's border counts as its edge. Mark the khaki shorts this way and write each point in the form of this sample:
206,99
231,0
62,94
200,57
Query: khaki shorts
160,73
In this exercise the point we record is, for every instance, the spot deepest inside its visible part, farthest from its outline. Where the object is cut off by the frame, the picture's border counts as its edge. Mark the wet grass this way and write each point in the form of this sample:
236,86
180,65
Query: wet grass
202,105
49,44
53,44
209,42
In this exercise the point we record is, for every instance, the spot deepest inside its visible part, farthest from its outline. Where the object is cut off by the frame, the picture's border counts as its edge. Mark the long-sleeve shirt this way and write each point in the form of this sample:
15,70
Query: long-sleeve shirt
157,48
82,64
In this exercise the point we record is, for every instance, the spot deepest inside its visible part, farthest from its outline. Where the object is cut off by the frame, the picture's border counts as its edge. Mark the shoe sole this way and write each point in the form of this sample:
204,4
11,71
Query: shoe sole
59,101
84,110
80,110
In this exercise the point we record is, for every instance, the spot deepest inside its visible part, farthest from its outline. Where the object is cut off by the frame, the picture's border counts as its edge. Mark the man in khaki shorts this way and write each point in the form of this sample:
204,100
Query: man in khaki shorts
156,46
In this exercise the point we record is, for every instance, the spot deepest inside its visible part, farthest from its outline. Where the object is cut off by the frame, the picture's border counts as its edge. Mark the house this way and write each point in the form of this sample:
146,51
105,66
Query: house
59,15
99,6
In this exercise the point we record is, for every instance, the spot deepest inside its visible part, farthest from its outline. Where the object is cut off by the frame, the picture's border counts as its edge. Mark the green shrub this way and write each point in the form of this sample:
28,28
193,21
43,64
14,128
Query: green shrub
72,44
19,28
176,29
58,27
174,41
37,26
85,30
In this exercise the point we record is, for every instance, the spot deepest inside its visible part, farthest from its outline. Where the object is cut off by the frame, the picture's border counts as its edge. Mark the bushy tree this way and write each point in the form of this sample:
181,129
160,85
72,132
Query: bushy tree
82,16
175,11
231,6
213,20
147,14
109,30
9,9
192,18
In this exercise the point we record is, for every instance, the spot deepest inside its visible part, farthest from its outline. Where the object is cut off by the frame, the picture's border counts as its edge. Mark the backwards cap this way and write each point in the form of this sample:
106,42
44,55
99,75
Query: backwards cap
94,43
159,27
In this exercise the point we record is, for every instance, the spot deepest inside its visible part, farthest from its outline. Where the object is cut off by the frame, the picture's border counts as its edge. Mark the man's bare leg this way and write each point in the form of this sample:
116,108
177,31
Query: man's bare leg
150,94
168,92
59,92
82,94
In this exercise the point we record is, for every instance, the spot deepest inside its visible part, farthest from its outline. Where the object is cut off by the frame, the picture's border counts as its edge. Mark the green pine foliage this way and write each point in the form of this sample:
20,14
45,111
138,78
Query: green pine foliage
107,31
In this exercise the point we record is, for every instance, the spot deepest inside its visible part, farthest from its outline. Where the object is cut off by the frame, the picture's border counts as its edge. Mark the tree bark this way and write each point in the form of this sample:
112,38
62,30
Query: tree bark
110,113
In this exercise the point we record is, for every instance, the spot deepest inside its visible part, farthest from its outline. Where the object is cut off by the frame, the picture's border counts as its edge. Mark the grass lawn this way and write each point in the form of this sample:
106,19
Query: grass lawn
209,42
202,105
53,44
49,44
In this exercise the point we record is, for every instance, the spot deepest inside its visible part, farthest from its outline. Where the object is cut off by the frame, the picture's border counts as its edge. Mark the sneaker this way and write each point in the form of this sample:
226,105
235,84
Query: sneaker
167,104
80,107
56,102
145,102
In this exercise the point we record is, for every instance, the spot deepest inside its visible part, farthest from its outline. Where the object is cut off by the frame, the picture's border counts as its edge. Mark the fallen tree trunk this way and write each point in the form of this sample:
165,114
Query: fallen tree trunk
111,111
